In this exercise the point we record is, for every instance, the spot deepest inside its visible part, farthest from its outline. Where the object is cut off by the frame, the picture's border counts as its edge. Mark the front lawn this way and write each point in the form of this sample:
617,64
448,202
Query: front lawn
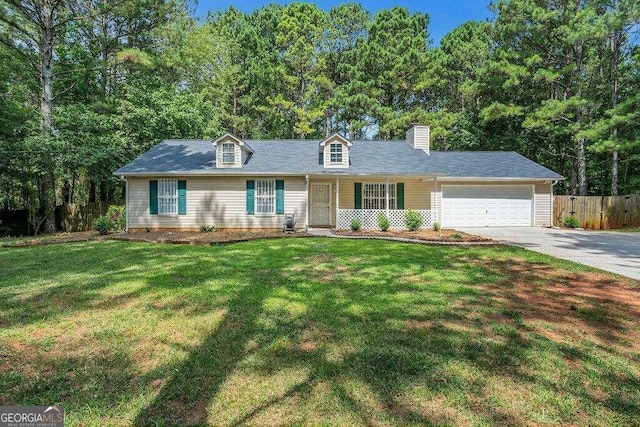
316,331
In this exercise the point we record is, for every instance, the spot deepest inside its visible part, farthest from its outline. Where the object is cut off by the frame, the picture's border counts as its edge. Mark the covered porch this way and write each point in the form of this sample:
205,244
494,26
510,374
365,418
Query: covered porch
336,202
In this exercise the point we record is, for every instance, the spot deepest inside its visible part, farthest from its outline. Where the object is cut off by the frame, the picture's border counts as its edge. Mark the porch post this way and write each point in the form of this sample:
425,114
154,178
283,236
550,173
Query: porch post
337,201
386,189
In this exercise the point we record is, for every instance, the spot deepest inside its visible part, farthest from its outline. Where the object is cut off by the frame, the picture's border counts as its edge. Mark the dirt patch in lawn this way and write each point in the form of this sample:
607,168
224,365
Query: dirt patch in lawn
227,235
49,239
176,237
591,302
447,235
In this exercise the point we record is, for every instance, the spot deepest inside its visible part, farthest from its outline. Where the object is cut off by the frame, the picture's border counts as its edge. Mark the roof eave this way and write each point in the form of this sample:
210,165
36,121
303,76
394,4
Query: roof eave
510,178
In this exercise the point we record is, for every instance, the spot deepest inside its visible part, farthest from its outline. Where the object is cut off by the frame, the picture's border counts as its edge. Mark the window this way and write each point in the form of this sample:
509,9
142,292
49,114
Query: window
265,197
335,153
228,152
168,196
374,196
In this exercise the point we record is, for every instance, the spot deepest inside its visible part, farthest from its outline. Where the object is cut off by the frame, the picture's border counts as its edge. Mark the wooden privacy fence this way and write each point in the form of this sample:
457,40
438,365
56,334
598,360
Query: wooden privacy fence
598,212
76,217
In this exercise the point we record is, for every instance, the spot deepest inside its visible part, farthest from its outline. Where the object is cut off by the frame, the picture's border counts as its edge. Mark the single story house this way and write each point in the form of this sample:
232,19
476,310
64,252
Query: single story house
236,183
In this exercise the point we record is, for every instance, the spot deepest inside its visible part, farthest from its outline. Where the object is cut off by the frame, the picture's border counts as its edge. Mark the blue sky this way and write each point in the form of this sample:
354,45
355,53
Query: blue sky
445,15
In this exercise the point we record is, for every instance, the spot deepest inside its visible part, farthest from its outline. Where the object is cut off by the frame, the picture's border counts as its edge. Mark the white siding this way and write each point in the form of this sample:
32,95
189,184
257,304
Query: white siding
243,158
327,154
418,136
542,208
219,201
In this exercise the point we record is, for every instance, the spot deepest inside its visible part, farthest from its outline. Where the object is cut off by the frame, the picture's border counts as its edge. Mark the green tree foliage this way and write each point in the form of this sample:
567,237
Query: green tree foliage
557,81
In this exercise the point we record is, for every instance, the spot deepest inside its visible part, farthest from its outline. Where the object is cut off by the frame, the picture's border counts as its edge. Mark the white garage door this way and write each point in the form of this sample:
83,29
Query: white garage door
486,205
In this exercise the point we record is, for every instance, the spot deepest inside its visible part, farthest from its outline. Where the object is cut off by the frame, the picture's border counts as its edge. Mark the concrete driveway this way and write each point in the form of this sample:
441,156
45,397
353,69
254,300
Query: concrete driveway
613,251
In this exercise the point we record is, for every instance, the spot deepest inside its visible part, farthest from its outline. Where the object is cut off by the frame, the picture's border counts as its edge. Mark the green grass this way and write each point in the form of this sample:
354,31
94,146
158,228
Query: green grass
316,331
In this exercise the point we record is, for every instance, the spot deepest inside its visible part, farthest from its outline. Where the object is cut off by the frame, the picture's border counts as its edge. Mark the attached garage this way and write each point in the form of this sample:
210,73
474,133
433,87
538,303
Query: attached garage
487,205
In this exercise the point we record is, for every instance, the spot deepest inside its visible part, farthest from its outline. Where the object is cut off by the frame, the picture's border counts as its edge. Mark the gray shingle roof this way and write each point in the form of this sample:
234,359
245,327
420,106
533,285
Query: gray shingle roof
300,157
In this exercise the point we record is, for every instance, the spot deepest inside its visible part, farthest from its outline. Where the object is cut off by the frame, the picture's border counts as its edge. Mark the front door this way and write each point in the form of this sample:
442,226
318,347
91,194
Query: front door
321,204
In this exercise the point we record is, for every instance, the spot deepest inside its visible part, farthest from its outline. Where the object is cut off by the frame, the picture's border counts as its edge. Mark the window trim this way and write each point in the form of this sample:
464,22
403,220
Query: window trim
336,153
166,199
233,152
393,195
270,198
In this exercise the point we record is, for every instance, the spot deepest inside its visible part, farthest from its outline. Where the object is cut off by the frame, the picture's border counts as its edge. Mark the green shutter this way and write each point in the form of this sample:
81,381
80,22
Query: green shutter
357,203
400,195
251,185
279,196
153,197
182,197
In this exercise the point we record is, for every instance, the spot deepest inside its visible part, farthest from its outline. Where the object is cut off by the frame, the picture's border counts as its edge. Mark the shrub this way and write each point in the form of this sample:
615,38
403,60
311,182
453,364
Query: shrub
412,220
571,222
456,236
356,224
383,222
436,226
207,228
102,225
117,216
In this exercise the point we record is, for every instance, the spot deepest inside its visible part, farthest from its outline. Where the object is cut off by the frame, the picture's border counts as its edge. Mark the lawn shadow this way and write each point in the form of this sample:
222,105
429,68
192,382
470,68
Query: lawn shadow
184,399
381,333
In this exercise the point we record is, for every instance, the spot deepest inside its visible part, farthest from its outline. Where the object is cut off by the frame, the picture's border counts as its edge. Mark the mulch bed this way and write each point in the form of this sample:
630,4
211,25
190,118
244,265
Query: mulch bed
426,235
229,236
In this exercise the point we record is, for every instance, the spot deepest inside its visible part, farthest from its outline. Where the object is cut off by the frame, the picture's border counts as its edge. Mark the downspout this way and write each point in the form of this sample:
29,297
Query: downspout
337,201
306,189
126,202
436,213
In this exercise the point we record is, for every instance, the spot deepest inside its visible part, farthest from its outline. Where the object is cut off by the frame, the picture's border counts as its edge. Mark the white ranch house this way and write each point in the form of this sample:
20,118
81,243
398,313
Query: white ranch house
236,183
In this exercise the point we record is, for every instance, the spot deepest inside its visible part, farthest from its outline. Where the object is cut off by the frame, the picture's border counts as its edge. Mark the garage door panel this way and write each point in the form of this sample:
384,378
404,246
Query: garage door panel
486,205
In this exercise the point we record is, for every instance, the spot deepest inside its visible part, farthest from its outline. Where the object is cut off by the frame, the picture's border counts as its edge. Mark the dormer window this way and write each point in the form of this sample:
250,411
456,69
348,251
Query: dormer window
335,153
231,152
228,152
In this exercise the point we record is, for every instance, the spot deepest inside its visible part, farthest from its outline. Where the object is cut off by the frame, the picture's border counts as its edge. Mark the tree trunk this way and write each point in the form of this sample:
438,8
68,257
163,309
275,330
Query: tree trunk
574,180
72,198
103,191
580,152
104,56
92,191
614,174
582,168
46,108
66,191
615,59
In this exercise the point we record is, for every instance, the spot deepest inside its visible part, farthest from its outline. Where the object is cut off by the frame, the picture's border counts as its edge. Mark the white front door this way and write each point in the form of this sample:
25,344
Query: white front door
321,204
486,205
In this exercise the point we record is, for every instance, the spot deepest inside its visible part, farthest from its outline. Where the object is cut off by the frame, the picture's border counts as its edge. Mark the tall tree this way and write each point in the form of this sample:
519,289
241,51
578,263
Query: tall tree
303,99
393,59
31,27
347,26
